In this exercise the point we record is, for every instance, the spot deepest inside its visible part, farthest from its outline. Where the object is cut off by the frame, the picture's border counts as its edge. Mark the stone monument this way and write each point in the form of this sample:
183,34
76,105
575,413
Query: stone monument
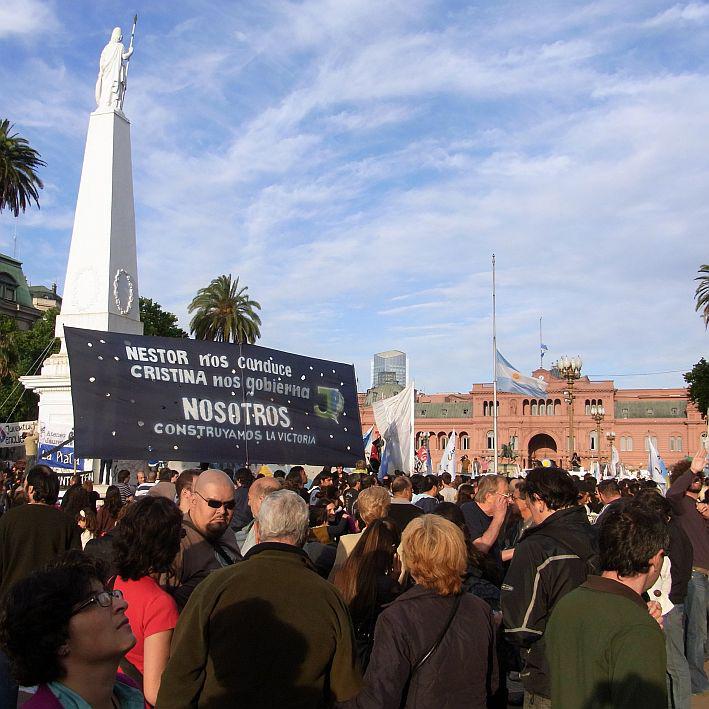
101,285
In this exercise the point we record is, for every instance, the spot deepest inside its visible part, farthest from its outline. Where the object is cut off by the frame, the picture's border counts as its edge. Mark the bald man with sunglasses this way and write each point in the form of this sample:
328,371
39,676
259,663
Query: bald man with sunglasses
208,543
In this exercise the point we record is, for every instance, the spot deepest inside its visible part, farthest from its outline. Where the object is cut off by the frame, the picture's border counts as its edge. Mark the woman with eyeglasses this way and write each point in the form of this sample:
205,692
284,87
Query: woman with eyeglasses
147,540
66,632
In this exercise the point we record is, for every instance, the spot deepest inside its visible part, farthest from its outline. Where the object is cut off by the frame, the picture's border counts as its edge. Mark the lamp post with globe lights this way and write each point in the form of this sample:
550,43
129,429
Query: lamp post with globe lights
597,414
570,369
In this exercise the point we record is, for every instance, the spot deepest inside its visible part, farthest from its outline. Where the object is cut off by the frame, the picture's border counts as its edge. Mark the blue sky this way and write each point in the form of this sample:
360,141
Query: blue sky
356,163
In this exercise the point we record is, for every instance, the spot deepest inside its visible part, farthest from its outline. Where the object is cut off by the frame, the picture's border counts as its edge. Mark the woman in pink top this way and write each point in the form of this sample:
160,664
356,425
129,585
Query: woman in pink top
147,541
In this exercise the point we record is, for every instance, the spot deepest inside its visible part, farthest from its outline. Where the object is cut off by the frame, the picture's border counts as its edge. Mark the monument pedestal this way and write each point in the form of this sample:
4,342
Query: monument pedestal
101,286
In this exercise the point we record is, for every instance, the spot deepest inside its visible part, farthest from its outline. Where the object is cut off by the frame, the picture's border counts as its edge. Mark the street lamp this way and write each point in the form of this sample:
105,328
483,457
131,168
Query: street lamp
597,414
610,435
570,369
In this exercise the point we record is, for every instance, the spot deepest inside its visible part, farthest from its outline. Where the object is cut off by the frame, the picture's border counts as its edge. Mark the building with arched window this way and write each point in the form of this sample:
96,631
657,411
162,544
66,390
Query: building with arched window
537,428
15,296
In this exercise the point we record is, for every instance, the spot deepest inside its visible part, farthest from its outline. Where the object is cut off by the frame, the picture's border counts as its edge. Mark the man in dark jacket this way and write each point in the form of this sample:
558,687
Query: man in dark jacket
687,478
428,501
268,632
553,557
609,494
401,510
207,542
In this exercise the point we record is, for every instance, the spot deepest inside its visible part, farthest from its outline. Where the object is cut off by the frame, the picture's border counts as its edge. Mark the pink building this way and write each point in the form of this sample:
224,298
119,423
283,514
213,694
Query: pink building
539,428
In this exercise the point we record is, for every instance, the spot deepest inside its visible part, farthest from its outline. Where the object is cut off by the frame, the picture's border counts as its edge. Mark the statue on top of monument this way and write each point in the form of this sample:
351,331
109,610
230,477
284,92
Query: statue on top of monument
113,70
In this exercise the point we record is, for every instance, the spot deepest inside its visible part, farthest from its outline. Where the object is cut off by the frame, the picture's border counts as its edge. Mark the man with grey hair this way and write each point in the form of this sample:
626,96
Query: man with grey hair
267,632
257,492
485,517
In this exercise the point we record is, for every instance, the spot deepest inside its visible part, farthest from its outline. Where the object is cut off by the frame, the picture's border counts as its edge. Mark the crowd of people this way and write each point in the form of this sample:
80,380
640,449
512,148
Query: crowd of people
213,588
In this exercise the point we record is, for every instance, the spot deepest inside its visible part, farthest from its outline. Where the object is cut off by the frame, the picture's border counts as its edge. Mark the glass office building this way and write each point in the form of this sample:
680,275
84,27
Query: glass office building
391,367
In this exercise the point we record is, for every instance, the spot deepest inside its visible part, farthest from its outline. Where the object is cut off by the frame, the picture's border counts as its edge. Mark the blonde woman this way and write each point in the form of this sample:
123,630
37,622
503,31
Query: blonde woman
372,504
434,645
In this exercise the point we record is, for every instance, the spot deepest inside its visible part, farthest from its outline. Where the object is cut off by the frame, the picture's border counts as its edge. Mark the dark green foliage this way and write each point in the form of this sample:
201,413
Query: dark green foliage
158,322
698,385
25,351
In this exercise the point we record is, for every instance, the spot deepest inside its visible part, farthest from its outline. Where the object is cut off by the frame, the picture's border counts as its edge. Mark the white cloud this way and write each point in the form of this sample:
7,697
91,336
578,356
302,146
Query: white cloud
26,17
689,12
356,163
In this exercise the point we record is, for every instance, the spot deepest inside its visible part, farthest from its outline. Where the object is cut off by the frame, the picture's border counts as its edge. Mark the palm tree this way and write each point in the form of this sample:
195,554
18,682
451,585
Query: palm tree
702,294
19,182
224,313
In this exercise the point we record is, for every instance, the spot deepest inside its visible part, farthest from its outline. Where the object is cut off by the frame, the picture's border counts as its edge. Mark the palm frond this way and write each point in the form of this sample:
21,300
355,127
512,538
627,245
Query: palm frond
223,312
702,294
19,162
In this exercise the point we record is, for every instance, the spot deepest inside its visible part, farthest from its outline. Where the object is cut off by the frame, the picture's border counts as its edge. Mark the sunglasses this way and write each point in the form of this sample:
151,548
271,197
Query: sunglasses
216,504
102,598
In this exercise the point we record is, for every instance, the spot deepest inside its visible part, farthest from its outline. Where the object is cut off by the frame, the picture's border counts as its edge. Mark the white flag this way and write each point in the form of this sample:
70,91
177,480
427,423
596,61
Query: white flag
449,460
395,420
656,466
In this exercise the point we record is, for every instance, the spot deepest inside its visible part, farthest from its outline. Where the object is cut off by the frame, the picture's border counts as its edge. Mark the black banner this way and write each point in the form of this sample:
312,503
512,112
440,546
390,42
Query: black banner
138,397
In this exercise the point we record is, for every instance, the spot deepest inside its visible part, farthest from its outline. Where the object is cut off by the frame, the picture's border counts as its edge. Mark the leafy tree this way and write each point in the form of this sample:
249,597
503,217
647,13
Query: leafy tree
702,294
223,312
8,347
29,350
158,322
19,182
698,389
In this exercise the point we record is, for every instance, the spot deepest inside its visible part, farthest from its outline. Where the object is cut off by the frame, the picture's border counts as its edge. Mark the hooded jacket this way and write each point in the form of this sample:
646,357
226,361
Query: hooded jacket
552,559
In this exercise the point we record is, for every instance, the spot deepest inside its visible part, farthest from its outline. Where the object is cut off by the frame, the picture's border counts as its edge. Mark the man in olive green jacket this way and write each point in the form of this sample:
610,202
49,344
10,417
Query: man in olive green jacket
604,645
268,632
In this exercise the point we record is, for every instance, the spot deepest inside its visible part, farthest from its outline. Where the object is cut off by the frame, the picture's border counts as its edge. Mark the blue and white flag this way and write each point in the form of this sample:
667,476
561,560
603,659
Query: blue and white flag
384,465
511,380
655,465
367,439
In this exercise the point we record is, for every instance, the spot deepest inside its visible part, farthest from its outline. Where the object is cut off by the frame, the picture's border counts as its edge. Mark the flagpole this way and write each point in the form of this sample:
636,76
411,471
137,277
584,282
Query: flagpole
541,351
494,369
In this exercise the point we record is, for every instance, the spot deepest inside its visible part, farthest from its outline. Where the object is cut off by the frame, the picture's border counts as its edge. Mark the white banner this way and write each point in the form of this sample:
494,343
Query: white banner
449,460
61,458
395,420
11,433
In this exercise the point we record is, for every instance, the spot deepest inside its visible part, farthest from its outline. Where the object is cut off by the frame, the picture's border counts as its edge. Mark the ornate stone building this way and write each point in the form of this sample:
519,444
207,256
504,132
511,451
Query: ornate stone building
15,297
539,428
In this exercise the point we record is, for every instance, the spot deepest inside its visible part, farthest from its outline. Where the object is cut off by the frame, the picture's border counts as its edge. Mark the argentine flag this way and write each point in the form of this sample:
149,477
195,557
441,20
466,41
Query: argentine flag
367,439
510,380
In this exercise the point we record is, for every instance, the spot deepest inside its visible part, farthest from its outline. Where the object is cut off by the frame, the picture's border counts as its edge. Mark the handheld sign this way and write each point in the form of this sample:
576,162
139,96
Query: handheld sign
138,397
